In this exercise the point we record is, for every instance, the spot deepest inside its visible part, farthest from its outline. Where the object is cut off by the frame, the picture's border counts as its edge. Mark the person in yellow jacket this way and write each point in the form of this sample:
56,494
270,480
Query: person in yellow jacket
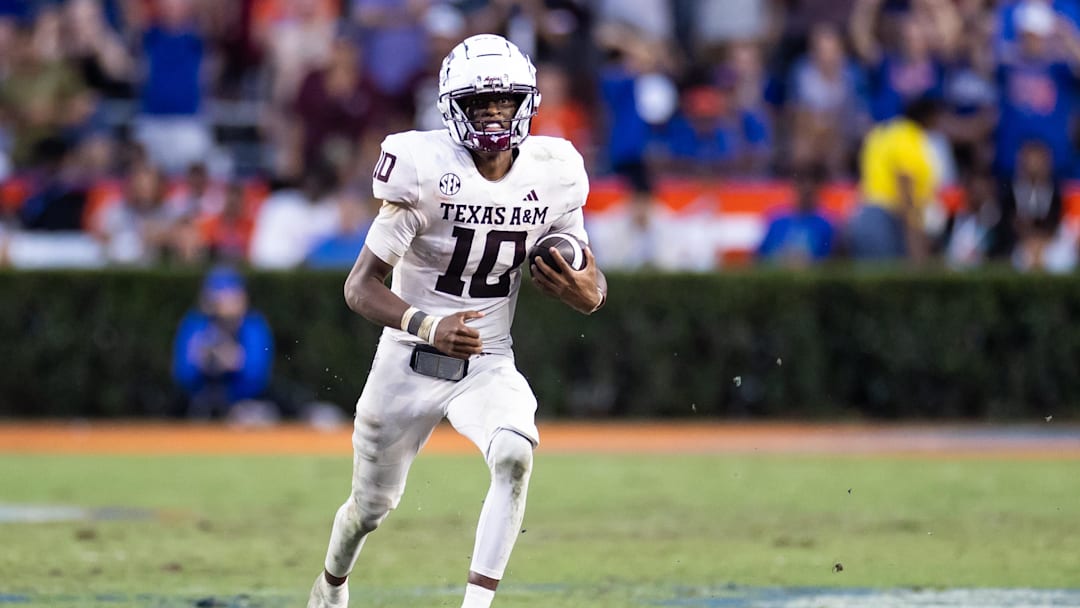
898,179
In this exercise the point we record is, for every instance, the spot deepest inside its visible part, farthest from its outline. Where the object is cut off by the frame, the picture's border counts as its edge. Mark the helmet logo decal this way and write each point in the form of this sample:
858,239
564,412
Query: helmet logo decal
493,82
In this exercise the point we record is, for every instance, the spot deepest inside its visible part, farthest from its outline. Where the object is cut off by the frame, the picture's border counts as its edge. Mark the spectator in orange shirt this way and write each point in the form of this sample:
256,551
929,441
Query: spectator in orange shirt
227,235
265,13
198,195
561,115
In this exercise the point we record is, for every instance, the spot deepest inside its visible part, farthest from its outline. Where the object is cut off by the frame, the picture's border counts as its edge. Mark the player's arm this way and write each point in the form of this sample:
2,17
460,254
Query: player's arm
366,294
396,181
861,28
583,290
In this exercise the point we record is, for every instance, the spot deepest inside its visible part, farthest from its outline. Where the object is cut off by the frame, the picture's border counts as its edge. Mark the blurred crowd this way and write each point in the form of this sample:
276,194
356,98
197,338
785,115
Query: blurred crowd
243,131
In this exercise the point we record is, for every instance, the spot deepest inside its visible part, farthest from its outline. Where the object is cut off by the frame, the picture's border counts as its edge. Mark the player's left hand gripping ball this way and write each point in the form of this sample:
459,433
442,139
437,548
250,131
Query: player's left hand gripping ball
579,289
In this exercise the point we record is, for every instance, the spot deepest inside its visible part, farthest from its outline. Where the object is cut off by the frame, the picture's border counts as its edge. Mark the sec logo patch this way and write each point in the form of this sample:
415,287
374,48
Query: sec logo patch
449,184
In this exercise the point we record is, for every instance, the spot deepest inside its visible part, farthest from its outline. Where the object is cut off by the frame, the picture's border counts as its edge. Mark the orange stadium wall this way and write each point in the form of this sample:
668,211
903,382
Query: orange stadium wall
735,214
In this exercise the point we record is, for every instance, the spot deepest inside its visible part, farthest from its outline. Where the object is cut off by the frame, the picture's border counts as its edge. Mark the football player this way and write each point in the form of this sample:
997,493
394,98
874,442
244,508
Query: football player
462,206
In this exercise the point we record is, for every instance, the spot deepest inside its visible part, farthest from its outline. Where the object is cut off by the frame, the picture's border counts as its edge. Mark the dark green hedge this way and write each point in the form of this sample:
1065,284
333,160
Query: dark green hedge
836,343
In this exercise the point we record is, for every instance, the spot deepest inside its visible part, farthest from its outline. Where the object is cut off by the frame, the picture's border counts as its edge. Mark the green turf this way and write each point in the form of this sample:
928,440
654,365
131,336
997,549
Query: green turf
600,530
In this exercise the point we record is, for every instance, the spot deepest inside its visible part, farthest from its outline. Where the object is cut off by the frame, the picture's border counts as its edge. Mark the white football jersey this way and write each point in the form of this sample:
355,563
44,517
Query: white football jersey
456,240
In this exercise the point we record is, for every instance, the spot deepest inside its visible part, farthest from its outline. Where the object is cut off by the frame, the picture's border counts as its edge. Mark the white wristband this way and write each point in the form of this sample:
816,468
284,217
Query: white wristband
603,298
427,329
420,324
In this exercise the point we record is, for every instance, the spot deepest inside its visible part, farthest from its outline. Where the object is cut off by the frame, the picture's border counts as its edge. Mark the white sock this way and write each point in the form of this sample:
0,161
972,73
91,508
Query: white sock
477,597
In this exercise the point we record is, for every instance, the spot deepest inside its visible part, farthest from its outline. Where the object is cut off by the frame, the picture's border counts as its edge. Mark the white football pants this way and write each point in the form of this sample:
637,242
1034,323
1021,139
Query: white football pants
493,406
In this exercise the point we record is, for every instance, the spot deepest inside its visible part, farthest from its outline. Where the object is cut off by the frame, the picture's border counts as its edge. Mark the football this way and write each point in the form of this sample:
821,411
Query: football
571,249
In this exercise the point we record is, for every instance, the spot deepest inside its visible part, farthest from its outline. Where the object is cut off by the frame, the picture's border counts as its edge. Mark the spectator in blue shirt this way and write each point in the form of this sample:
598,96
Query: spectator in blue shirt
627,132
173,48
711,135
1006,16
803,235
971,95
223,351
911,68
17,9
394,49
340,250
171,96
1036,79
636,96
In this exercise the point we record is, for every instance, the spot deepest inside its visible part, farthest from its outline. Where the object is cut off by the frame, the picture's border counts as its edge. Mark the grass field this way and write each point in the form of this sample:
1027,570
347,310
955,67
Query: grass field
601,531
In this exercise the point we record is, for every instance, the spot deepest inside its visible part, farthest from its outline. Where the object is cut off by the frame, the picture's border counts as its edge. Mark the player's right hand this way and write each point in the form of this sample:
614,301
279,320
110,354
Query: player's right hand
457,339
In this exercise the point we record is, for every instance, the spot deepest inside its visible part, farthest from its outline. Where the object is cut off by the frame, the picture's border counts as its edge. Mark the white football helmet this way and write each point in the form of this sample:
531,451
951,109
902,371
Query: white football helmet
480,65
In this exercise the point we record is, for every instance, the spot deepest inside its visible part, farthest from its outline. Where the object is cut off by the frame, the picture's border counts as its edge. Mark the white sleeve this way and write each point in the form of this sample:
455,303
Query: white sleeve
393,231
574,183
395,178
572,222
573,177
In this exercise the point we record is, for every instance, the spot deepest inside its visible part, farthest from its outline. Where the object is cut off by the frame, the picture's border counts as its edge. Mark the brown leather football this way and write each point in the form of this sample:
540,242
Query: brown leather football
570,248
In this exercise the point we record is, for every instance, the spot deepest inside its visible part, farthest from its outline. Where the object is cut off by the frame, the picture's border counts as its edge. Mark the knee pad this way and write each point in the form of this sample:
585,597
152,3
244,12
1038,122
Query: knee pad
510,455
368,511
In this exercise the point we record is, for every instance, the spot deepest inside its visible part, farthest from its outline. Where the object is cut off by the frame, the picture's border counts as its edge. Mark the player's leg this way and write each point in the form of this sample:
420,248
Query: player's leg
381,464
510,461
389,430
497,413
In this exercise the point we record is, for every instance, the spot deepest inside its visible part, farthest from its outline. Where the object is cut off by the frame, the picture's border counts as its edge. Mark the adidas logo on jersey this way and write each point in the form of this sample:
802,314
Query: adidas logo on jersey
531,196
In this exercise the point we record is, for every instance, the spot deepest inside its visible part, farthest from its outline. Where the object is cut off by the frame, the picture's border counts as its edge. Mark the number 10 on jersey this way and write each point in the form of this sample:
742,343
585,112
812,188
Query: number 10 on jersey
452,281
